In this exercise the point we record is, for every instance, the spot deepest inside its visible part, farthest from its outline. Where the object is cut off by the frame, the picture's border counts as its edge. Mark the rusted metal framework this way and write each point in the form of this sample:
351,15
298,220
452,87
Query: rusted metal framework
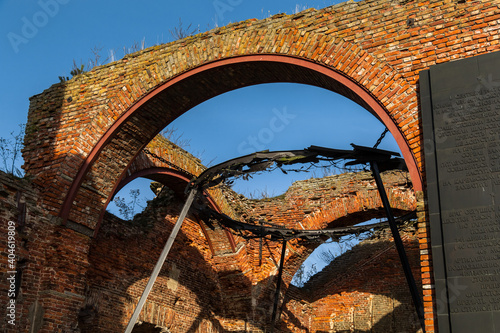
378,161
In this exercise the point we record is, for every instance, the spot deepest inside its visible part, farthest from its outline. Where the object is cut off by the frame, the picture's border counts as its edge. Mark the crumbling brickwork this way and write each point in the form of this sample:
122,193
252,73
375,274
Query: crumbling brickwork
204,285
186,297
50,265
365,289
232,291
84,134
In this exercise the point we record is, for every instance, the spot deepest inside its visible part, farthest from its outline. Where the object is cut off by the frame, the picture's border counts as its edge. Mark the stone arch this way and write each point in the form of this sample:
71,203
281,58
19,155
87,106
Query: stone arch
329,202
247,288
351,90
148,91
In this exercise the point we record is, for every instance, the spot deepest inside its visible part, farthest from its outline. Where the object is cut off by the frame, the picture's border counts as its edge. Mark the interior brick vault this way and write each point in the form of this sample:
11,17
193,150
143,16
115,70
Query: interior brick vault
81,270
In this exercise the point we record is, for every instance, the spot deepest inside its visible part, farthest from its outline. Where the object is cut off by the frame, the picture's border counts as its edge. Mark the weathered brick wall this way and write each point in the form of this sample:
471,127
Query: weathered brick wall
51,262
186,296
185,162
94,290
318,202
83,134
167,163
365,289
228,291
334,201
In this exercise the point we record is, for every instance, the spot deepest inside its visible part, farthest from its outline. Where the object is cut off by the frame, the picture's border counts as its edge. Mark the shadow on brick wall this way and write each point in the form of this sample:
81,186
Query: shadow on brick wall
363,290
185,296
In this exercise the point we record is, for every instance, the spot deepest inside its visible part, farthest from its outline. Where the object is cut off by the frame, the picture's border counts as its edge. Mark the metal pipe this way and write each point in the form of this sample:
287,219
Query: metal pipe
161,259
278,286
399,245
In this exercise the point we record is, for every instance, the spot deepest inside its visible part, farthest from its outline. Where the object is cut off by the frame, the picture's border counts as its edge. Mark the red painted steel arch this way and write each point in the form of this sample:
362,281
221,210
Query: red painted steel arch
364,95
159,174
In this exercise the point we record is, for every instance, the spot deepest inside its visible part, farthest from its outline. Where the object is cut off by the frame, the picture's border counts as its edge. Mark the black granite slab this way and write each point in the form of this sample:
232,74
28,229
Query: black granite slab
460,103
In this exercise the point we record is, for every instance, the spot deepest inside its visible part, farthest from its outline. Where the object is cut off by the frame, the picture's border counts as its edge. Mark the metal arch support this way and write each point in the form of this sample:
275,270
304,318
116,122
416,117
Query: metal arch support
278,286
261,161
161,259
399,245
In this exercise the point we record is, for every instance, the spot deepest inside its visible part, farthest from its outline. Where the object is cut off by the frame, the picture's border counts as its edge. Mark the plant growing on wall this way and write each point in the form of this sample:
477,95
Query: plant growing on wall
74,71
127,209
180,32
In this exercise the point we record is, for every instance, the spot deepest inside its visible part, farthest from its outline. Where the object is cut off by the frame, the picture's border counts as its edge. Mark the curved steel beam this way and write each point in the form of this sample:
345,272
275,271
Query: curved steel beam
375,106
149,173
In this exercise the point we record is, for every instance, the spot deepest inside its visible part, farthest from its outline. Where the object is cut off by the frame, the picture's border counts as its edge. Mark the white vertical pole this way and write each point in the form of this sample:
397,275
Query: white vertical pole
161,260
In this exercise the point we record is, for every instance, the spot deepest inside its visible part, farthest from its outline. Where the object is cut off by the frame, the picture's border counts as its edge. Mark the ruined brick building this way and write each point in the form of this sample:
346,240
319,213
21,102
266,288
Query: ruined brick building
81,269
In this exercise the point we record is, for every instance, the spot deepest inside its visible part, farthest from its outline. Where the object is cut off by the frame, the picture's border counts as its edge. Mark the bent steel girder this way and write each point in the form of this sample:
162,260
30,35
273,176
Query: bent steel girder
264,160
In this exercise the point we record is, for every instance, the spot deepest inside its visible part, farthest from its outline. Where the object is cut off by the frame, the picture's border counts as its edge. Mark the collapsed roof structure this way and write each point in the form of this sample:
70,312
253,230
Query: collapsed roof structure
264,161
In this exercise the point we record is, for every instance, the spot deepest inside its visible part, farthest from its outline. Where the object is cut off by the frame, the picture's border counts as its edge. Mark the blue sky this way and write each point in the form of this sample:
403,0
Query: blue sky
41,39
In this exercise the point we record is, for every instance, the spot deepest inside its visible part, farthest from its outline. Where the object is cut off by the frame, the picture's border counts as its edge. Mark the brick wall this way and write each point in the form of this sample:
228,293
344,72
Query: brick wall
82,135
91,284
228,291
51,262
187,295
365,289
377,46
